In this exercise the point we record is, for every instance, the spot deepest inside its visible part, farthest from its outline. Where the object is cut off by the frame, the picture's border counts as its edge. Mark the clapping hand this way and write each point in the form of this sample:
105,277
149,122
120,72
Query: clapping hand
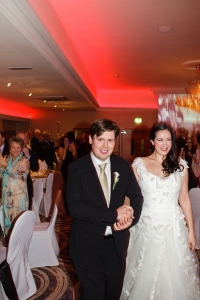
3,162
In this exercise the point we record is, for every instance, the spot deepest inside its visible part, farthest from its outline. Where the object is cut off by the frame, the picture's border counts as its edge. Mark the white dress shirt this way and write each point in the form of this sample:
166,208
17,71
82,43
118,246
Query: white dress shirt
96,163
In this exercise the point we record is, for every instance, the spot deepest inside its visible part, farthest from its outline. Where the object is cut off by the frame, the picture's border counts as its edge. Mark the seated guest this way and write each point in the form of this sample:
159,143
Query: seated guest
34,166
14,170
4,149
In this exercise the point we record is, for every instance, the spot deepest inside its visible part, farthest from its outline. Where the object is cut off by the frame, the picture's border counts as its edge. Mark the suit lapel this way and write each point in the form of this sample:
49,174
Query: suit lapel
91,177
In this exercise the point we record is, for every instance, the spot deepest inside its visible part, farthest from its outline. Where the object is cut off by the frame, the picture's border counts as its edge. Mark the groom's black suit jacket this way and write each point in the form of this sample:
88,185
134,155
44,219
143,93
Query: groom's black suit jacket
87,205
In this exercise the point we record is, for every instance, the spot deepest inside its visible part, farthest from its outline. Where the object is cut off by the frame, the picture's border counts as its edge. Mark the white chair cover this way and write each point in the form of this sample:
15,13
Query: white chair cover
17,255
44,249
195,202
37,197
47,197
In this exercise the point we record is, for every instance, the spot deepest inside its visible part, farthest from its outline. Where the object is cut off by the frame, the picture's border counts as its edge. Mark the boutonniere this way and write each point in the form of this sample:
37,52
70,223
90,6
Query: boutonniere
116,179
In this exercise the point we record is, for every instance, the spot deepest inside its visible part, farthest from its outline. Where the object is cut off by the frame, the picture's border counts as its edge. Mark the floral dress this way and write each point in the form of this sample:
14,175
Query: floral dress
160,265
14,190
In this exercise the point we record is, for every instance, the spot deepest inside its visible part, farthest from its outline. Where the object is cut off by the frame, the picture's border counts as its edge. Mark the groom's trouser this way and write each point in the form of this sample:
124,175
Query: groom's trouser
101,278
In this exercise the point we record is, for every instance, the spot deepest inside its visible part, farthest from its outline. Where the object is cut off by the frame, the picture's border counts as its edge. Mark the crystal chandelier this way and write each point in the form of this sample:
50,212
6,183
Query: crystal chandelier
192,99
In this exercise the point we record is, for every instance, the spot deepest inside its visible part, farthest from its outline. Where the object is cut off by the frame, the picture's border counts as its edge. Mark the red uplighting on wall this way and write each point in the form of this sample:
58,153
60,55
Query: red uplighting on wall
13,109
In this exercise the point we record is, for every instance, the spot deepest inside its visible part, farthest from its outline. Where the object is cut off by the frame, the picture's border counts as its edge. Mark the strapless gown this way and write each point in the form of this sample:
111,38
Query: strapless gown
160,265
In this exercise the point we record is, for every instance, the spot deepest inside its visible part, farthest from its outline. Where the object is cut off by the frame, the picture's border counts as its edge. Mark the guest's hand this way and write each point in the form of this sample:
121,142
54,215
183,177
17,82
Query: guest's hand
26,151
3,162
122,224
125,211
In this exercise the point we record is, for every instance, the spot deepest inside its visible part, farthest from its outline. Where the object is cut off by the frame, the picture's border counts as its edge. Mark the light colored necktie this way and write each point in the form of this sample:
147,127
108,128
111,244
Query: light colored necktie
104,182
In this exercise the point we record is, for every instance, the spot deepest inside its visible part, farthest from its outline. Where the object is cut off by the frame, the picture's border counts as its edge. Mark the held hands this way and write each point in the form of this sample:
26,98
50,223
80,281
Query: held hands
124,218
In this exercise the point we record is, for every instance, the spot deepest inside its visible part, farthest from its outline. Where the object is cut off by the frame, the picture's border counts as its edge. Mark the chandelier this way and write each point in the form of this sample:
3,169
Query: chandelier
192,100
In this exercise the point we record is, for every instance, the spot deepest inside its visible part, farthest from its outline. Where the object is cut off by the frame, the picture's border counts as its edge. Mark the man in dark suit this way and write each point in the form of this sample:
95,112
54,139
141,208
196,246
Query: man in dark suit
47,150
34,166
97,250
4,148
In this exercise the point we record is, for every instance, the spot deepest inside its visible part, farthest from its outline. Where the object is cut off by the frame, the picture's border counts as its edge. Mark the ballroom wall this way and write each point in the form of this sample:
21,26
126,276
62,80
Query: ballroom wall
83,119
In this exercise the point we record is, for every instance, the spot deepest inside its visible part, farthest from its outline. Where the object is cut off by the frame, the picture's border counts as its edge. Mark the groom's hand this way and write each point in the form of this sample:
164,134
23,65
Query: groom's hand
122,224
125,211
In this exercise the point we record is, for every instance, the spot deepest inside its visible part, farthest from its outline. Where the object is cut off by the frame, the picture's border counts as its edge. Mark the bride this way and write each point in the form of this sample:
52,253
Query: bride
161,261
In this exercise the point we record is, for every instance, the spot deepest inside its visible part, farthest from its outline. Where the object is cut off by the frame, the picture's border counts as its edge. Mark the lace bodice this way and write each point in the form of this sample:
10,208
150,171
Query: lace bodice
160,193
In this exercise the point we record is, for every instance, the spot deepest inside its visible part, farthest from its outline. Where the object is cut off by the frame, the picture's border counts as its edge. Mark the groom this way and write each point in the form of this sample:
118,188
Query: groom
96,187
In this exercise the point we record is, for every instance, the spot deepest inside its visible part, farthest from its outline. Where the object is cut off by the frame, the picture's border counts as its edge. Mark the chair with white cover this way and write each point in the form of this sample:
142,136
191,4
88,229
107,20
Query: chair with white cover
47,197
37,197
194,195
17,256
44,249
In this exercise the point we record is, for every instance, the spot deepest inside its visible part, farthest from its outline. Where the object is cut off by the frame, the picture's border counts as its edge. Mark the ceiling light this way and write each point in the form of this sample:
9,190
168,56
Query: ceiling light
193,91
30,94
63,109
165,28
55,105
45,101
9,84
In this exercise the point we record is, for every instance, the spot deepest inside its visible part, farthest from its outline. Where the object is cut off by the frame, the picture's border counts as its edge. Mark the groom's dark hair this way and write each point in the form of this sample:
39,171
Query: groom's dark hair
102,125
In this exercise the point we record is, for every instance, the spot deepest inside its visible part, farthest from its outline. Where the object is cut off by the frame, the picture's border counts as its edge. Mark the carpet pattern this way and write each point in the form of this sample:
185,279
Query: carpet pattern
59,282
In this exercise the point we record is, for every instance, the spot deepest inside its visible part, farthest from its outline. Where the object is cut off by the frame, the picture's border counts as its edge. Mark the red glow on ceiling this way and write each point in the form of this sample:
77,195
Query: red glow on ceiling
14,109
127,99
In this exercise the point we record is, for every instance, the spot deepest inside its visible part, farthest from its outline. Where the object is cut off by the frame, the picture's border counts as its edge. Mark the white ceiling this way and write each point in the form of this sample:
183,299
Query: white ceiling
77,48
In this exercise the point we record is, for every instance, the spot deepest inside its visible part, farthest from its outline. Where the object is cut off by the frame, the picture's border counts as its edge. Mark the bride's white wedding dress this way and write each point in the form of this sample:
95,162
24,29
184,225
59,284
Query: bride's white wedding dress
160,265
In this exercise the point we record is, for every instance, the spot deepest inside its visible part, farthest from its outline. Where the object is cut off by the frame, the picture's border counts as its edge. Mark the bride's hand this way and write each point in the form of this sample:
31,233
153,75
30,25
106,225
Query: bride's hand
191,241
122,223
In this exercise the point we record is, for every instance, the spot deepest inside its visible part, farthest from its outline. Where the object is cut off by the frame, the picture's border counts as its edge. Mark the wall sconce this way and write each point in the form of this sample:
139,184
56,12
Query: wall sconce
138,120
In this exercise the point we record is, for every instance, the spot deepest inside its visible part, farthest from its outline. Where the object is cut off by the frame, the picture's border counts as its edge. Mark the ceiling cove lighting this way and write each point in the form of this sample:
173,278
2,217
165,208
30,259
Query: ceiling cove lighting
138,120
19,68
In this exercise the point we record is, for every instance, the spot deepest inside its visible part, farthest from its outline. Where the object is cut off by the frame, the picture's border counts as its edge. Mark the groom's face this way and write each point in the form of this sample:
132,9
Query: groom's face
103,145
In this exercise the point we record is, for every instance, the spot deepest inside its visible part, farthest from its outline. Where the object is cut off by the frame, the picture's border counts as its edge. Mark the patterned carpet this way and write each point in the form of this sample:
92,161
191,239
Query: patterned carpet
58,282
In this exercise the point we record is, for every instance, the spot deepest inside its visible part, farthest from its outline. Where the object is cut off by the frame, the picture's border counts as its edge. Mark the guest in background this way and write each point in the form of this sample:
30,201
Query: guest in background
72,144
83,146
34,166
47,150
14,170
35,142
181,139
4,148
29,137
65,154
196,160
188,153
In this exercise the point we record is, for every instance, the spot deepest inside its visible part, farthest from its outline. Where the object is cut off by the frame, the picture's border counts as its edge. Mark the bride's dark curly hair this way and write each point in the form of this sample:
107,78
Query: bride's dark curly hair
171,162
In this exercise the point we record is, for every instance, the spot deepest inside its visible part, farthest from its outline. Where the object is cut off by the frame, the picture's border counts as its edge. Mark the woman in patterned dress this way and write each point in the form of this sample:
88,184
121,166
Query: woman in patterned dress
14,170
